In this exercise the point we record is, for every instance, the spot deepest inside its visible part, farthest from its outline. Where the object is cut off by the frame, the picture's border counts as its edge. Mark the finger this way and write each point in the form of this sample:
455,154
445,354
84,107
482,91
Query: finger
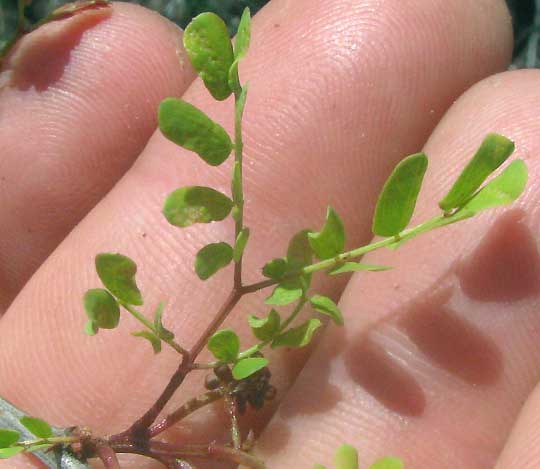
78,100
521,448
309,95
443,349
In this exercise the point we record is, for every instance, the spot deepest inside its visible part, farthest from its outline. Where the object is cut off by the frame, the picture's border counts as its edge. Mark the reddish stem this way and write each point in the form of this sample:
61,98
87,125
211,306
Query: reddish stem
189,407
108,456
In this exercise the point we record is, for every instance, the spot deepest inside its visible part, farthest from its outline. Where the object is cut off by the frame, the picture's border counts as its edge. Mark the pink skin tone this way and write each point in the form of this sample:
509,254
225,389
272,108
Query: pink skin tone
339,92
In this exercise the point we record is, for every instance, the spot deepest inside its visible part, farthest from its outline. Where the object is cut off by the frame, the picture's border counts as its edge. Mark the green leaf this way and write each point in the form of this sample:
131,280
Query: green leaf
501,190
90,328
325,305
397,200
240,245
275,269
299,253
265,328
9,19
161,330
37,427
493,152
286,293
248,366
298,336
346,457
212,258
6,453
189,127
358,267
224,345
154,340
330,241
102,309
319,466
196,204
117,272
388,463
243,35
209,48
8,437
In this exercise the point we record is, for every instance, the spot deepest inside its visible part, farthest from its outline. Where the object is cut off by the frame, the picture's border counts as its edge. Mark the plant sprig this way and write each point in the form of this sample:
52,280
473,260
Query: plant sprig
241,378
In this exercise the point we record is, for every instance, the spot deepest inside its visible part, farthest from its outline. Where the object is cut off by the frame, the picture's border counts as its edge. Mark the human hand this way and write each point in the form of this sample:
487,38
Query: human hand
339,92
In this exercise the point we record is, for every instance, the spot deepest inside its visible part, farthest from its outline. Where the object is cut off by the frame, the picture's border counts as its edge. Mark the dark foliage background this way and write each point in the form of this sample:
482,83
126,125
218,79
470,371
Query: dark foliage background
525,14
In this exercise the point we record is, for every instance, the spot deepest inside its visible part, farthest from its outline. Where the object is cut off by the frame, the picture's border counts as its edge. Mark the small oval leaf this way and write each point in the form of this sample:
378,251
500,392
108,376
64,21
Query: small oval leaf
286,293
330,241
8,437
212,258
346,457
243,35
196,204
501,190
224,345
297,336
265,328
299,253
117,272
248,366
397,200
6,453
91,328
37,427
207,42
275,269
102,309
493,152
388,463
325,305
189,127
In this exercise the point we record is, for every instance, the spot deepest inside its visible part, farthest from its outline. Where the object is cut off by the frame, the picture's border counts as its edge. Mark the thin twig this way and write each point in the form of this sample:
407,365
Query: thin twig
232,410
107,456
188,408
226,308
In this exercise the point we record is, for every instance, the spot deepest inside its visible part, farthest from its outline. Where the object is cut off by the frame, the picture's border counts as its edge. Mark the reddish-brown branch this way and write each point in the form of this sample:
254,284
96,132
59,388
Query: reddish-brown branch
221,315
107,456
166,452
189,407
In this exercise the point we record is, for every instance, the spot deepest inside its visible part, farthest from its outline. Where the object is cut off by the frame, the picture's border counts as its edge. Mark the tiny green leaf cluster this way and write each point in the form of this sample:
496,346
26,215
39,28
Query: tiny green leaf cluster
11,443
102,305
346,457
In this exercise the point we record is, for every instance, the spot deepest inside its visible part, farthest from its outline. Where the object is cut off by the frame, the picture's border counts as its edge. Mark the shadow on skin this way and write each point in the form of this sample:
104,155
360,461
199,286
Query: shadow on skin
41,57
451,342
504,267
506,264
321,398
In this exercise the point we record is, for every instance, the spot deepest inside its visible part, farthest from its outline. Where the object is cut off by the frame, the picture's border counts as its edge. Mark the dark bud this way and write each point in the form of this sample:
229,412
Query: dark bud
211,382
224,373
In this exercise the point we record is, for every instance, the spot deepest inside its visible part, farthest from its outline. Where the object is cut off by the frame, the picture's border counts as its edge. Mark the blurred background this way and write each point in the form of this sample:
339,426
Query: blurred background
525,14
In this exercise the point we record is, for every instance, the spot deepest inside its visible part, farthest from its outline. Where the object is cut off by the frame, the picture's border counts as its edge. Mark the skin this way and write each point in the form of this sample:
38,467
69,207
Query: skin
329,113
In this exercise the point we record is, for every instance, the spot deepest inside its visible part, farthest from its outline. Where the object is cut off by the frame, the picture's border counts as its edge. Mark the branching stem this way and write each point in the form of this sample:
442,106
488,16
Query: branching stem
188,408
